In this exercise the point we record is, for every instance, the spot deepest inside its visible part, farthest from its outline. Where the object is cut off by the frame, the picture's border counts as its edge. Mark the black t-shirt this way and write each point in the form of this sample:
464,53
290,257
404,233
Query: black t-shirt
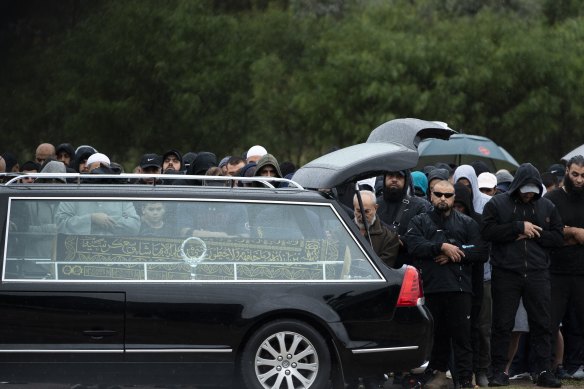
568,259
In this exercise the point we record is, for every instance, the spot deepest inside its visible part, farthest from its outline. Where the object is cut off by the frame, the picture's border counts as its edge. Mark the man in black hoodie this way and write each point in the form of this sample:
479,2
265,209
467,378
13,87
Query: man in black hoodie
522,227
397,207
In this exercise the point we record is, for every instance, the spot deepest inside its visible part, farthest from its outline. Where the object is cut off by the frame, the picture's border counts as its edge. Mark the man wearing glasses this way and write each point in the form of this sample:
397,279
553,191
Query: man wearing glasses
522,228
444,243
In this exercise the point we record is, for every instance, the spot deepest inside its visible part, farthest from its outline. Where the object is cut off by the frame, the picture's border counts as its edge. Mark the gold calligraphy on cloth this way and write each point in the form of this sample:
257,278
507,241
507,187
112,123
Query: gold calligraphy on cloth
135,258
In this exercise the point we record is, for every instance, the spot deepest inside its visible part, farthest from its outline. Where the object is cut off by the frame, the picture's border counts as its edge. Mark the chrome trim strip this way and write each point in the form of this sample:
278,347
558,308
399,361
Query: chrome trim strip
85,351
383,350
178,350
61,351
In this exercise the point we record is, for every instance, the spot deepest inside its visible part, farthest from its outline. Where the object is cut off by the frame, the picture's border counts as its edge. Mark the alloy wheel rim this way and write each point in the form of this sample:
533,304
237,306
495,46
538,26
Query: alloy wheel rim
286,360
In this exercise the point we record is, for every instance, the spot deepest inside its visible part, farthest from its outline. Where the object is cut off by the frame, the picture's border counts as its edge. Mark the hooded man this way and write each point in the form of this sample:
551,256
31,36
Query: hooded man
65,153
267,166
467,176
80,161
522,228
397,207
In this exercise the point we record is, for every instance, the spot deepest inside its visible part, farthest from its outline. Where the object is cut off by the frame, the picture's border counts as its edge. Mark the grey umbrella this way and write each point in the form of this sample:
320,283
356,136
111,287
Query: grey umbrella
577,151
409,132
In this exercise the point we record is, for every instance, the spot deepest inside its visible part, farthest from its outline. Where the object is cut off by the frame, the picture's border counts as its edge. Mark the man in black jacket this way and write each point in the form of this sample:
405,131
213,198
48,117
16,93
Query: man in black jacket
444,244
397,207
522,227
567,262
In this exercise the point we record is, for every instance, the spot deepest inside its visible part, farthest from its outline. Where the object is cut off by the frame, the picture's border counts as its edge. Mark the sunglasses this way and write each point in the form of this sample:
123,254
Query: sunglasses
440,194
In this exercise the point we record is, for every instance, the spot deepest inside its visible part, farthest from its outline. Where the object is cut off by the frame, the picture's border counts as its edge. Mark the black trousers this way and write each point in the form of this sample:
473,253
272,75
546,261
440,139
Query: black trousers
481,331
567,293
507,288
567,290
451,312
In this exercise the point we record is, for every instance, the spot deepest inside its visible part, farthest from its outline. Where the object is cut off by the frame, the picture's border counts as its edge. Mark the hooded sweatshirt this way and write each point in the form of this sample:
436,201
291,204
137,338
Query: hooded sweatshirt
266,160
83,152
503,222
479,199
53,167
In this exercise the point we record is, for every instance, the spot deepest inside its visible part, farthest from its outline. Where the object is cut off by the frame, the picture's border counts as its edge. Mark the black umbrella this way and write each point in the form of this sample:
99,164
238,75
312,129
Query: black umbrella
464,149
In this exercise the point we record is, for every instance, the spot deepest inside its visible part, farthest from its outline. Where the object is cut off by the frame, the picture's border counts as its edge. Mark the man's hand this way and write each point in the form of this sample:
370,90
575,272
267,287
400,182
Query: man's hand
452,252
442,259
103,220
573,235
531,230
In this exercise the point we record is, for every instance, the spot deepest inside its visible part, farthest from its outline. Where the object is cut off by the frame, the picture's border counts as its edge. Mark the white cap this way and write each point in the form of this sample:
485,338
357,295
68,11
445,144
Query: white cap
256,150
487,180
98,157
529,188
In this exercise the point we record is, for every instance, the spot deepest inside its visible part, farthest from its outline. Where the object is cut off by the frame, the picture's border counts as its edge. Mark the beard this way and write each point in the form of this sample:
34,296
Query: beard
392,194
572,190
361,225
442,208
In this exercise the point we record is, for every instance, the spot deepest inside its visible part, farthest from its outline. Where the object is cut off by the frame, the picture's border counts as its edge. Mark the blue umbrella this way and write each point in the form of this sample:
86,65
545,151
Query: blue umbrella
463,149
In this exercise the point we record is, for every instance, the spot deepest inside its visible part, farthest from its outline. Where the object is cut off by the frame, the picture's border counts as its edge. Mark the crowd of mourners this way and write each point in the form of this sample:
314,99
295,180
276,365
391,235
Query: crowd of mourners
87,160
501,255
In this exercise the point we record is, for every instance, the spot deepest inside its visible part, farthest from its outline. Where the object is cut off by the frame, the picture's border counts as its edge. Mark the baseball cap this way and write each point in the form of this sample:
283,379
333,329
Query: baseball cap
487,180
529,188
98,157
150,160
557,170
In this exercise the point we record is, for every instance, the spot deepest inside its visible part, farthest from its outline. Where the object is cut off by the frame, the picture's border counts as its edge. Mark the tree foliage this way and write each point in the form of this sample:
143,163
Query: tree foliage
297,76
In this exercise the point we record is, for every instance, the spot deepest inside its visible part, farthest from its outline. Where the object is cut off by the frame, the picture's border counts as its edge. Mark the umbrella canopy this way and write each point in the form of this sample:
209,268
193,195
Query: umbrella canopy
577,151
409,132
464,149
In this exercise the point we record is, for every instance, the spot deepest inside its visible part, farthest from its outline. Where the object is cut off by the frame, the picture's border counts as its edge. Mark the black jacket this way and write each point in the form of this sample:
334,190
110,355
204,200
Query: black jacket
396,214
568,259
426,234
503,218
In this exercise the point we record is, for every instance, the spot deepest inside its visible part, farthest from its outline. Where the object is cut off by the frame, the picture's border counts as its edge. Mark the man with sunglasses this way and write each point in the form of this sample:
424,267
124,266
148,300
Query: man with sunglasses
444,244
522,228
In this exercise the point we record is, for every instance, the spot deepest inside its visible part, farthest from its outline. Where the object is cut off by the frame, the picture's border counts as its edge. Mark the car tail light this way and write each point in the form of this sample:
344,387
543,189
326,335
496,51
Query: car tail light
411,293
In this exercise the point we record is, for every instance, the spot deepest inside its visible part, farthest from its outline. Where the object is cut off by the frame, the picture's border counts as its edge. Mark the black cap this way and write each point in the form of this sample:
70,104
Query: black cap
557,170
150,160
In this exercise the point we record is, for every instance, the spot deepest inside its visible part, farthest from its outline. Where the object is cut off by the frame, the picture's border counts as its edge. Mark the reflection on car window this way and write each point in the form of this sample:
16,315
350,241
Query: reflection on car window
164,240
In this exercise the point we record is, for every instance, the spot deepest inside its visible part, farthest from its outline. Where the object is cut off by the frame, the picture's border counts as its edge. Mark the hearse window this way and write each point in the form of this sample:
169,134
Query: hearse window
171,240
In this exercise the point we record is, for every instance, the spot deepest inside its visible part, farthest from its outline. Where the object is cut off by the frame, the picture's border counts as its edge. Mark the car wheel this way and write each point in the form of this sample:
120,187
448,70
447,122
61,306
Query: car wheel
286,354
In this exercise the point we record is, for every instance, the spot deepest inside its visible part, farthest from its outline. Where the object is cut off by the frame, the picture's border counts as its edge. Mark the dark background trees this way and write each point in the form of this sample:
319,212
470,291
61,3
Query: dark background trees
297,76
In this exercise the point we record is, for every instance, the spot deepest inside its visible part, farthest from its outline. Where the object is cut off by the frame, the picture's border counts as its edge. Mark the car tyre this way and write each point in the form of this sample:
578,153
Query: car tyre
286,354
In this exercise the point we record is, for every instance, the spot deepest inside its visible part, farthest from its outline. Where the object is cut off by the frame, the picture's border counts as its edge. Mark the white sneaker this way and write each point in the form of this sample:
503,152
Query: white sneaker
579,374
520,376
